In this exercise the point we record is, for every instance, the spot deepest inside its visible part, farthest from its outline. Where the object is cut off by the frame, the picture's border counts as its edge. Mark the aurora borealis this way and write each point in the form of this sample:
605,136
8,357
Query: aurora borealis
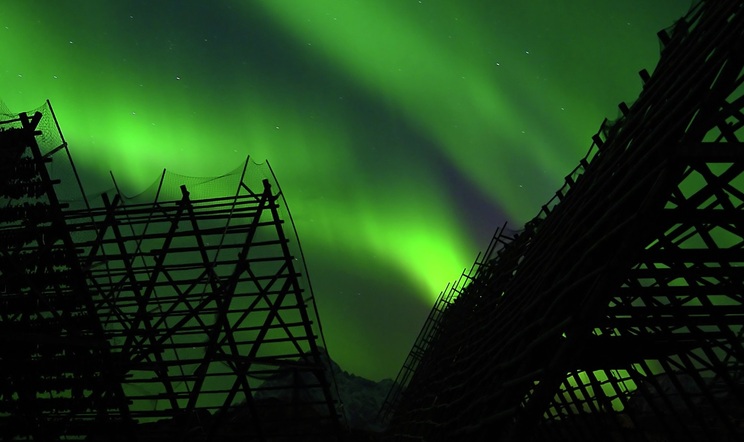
402,132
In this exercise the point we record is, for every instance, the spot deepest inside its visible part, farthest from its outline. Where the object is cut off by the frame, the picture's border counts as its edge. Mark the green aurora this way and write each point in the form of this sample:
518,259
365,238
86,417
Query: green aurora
402,131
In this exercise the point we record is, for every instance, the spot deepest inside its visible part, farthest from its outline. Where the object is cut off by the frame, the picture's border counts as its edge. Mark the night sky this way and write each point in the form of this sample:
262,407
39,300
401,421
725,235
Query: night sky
403,132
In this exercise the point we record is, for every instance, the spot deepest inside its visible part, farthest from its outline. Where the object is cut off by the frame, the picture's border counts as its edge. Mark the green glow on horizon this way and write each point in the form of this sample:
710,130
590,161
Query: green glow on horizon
416,248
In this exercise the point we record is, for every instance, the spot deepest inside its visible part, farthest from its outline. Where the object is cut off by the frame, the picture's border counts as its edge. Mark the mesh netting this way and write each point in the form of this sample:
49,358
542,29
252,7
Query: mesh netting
50,138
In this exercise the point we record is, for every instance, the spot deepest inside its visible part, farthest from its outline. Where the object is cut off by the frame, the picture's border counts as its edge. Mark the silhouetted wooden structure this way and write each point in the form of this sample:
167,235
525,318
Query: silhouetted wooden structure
618,312
159,317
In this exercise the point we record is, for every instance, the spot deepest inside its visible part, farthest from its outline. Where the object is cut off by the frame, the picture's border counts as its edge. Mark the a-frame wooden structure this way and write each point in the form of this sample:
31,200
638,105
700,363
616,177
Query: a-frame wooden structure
160,317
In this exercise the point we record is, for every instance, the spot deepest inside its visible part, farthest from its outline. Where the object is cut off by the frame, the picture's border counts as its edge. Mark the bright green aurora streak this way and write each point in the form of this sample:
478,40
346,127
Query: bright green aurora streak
403,132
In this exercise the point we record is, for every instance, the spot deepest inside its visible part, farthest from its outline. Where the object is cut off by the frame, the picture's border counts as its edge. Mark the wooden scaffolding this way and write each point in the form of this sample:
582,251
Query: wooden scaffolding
618,312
